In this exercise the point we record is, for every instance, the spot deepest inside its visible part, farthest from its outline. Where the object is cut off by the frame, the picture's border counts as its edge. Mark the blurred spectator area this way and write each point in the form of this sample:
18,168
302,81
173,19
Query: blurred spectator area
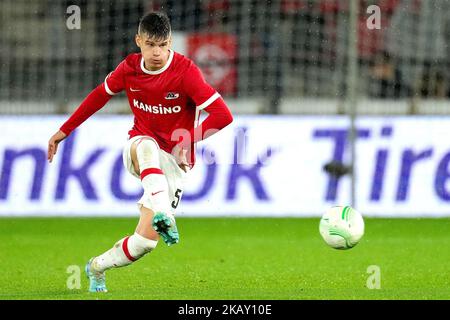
272,51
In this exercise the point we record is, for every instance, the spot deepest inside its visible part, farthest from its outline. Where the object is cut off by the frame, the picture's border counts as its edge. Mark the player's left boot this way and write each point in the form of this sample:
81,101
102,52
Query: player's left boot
97,281
166,226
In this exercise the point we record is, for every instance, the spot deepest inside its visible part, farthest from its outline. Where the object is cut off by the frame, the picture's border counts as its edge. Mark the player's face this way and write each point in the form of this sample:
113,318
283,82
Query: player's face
155,51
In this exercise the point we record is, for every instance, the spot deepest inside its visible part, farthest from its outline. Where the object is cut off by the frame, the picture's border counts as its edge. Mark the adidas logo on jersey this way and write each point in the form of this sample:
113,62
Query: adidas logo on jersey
159,109
172,95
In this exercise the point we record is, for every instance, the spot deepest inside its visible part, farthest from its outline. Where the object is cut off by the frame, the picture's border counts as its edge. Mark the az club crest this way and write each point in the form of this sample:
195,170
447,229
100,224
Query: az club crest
172,95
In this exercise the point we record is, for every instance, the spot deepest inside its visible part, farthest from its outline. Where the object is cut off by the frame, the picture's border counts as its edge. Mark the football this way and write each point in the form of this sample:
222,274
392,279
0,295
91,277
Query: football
342,227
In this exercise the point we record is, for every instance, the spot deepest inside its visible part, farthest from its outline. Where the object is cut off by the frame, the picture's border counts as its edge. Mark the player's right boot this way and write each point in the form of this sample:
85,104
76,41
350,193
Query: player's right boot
97,281
166,226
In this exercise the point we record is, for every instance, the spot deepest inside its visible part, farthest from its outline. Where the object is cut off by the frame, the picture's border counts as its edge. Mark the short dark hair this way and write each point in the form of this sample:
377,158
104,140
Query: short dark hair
156,25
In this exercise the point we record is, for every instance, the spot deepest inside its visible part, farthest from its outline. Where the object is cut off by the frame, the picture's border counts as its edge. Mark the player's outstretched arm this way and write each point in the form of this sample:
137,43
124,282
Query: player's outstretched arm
53,144
90,105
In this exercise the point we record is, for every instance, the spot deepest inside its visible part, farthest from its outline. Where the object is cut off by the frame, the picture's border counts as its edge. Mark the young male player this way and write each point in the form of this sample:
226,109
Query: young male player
166,92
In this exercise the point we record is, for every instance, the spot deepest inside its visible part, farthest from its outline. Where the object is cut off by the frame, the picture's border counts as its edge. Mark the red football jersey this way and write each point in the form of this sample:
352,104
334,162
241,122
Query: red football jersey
166,103
162,101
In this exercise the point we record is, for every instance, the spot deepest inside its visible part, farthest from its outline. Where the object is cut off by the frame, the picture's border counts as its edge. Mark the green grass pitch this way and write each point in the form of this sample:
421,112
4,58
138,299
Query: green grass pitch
228,258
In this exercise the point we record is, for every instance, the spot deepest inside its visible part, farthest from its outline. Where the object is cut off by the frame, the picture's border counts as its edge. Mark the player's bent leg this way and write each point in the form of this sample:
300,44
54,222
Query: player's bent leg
156,189
124,252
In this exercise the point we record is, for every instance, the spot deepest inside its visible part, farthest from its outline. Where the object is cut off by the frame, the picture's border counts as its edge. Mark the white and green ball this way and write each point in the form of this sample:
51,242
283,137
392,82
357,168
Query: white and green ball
342,227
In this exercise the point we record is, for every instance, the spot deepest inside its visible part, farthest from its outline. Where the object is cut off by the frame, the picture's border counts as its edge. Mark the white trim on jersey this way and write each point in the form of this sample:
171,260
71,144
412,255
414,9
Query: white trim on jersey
197,116
209,101
169,61
199,108
108,90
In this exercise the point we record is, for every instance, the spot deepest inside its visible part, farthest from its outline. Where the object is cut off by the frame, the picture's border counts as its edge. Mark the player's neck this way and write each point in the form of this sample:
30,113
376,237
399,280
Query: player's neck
148,66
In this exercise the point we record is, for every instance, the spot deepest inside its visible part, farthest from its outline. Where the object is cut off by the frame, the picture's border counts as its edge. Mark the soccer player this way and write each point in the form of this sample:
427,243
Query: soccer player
166,92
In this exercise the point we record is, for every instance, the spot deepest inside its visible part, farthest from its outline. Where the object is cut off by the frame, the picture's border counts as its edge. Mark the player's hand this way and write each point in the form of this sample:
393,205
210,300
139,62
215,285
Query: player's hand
53,144
180,155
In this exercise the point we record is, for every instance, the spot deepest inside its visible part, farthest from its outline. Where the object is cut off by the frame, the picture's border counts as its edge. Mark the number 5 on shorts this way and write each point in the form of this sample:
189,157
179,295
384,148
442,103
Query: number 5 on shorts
177,196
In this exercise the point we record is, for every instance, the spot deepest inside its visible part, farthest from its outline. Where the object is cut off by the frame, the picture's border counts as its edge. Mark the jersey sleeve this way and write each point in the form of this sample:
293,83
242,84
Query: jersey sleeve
113,84
114,81
198,89
90,105
207,99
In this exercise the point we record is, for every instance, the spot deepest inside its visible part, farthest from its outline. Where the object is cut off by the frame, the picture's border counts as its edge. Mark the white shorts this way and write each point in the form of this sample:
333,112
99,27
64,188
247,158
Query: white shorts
174,174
